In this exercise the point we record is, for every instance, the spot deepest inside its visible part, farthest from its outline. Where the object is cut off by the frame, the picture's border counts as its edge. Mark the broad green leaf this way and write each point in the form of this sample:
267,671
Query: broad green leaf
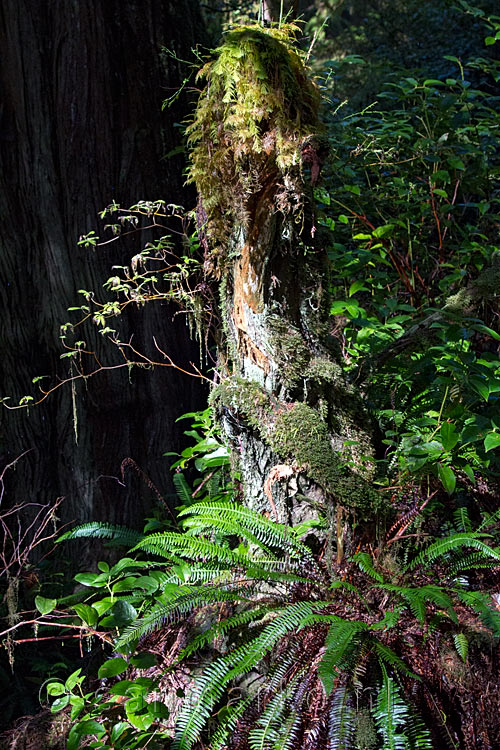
91,579
481,387
55,688
449,436
384,231
112,667
90,726
158,710
491,441
356,286
45,606
88,614
73,680
118,729
455,162
144,660
447,477
59,704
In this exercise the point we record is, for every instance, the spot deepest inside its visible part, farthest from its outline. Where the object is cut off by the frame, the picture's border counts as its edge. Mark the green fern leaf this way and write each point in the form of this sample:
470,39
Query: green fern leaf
454,542
388,656
390,714
182,488
365,563
342,640
121,535
341,721
461,644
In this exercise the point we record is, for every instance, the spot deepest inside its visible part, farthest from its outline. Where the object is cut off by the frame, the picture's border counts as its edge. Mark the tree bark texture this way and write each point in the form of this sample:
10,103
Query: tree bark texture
81,125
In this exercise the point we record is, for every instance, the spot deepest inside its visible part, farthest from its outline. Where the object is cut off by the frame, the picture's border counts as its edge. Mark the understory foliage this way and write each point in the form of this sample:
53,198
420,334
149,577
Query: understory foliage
228,630
291,653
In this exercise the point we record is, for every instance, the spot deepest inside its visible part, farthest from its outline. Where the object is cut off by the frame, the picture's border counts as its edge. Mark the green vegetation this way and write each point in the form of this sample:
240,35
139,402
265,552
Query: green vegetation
374,624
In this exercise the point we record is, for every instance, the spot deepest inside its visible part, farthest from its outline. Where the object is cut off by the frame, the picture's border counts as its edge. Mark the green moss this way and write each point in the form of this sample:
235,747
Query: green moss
246,398
324,370
296,432
301,434
252,119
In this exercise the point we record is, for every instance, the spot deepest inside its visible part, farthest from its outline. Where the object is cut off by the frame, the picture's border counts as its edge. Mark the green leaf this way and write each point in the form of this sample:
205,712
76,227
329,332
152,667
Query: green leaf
481,387
73,680
91,579
59,704
489,40
90,726
55,688
73,741
491,441
356,286
158,710
112,667
455,162
447,477
118,729
45,606
144,660
384,231
88,614
77,705
449,436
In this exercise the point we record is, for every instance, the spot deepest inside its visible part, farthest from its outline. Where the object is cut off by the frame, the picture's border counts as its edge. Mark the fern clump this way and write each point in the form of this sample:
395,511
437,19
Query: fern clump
252,121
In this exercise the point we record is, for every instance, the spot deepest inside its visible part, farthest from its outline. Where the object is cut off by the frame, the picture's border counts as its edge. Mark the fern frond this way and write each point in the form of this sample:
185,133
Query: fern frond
341,721
387,656
417,599
461,644
365,563
472,561
290,618
390,713
481,604
226,727
454,542
252,615
182,488
462,520
99,530
265,732
342,640
187,599
207,690
418,735
216,515
193,548
288,735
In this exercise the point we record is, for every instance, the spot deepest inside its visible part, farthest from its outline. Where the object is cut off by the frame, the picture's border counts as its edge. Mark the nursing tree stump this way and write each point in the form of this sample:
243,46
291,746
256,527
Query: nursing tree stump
299,433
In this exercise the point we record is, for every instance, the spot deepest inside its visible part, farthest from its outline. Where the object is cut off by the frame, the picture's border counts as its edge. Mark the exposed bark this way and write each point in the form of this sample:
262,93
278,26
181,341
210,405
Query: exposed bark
81,125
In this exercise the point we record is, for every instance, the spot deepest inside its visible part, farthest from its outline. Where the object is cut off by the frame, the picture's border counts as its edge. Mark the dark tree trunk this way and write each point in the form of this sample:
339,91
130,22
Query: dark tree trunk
81,125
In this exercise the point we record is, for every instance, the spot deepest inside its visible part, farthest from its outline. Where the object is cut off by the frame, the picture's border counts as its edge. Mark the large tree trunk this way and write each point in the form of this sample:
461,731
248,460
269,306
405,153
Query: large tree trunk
81,125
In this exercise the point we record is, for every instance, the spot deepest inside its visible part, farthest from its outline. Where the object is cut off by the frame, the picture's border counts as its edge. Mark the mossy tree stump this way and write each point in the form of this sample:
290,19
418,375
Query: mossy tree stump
299,432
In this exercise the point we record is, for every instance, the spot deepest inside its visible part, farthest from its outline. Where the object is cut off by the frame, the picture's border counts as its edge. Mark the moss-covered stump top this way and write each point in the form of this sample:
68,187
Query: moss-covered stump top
253,118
